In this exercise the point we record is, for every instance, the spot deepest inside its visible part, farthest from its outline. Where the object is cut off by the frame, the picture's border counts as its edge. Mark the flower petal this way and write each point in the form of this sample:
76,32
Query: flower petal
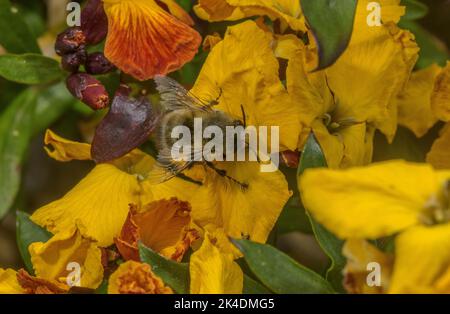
214,272
243,70
440,99
51,259
66,150
162,226
368,76
9,283
439,155
414,103
144,40
34,285
359,254
136,278
370,202
99,202
230,10
250,211
422,262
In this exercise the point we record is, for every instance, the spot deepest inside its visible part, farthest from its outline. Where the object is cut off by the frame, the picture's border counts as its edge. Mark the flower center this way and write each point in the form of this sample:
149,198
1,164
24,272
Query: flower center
336,126
437,208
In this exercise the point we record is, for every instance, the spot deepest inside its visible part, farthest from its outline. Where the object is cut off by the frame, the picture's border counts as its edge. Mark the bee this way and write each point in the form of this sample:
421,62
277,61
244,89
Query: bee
180,108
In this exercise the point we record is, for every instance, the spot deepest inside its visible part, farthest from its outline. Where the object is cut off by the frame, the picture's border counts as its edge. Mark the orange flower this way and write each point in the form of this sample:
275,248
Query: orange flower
162,226
34,285
145,40
136,278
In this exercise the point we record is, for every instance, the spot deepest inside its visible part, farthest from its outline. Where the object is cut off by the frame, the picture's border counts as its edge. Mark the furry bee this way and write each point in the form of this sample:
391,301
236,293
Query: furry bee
181,108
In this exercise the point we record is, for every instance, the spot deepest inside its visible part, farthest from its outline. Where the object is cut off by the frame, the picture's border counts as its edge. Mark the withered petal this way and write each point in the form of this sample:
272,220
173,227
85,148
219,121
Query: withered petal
127,125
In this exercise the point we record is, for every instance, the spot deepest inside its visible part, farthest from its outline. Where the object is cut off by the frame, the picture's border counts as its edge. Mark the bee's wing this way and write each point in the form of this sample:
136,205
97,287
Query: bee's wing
174,96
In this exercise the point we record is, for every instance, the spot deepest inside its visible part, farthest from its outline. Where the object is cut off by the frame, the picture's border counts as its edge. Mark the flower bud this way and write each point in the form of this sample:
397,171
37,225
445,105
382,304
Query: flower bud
290,158
72,61
88,89
94,22
69,41
98,64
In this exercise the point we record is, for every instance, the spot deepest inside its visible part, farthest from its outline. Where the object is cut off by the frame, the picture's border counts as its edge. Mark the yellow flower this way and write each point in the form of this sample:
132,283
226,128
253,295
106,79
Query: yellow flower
287,11
426,100
9,283
345,103
164,226
52,260
100,201
213,271
440,100
249,212
359,254
145,40
242,69
411,200
136,278
439,155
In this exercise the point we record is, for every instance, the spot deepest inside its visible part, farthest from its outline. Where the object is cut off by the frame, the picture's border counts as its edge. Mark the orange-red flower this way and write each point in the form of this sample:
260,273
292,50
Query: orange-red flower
163,226
145,40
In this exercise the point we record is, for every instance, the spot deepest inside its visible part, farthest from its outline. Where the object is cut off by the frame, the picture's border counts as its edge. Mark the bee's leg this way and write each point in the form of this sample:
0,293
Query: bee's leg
223,173
215,102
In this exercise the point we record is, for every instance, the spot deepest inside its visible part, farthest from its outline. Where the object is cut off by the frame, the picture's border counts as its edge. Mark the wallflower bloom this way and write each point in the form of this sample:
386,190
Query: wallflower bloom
345,103
287,11
100,201
387,200
136,278
145,40
425,101
214,271
51,259
164,226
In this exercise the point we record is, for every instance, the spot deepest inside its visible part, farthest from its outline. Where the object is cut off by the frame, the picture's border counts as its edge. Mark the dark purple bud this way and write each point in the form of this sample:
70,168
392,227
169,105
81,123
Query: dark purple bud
69,41
72,61
127,125
94,22
98,64
88,89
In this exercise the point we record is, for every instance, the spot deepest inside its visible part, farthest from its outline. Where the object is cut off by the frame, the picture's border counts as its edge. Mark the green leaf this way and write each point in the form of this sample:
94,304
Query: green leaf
50,105
103,289
186,4
175,275
293,218
28,232
29,69
331,22
15,132
251,286
414,10
313,157
16,37
280,273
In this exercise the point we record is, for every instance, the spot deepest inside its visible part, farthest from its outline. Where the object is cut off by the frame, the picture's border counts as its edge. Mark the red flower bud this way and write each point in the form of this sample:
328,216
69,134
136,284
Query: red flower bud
88,89
69,41
94,22
71,62
98,64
